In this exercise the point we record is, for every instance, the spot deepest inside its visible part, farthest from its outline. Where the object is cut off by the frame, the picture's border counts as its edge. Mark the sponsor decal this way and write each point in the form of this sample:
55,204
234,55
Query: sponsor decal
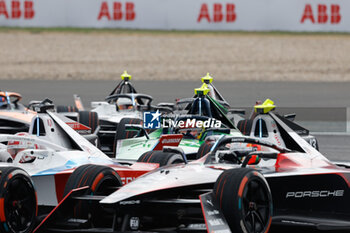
216,222
171,140
221,13
17,9
196,226
315,194
321,14
131,202
222,231
277,140
126,180
77,126
49,122
214,212
116,11
21,139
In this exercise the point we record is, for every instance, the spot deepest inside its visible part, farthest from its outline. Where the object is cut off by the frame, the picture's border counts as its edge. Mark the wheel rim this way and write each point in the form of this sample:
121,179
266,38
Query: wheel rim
256,206
20,204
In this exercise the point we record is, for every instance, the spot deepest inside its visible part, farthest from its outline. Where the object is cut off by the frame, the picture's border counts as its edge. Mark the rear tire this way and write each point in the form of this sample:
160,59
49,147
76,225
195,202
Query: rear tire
245,199
122,133
102,180
62,108
89,119
204,149
160,157
245,126
19,209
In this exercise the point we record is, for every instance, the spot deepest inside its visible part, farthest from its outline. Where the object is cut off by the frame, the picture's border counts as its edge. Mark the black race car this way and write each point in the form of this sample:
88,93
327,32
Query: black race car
230,189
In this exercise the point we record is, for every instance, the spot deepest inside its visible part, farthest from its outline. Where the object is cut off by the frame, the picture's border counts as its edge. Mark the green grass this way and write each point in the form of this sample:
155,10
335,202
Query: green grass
160,32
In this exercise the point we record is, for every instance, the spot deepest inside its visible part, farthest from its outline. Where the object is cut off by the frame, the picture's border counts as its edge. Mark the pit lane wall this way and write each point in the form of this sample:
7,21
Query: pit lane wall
246,15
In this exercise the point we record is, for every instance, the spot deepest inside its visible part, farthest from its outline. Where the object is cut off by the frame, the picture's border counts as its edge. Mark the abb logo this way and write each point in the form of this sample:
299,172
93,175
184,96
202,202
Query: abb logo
322,16
117,12
17,10
218,15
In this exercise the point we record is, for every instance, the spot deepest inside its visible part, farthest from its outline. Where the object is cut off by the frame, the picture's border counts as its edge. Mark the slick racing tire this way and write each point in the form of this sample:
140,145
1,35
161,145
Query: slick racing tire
245,126
204,149
62,108
102,180
160,157
244,197
18,209
122,133
89,119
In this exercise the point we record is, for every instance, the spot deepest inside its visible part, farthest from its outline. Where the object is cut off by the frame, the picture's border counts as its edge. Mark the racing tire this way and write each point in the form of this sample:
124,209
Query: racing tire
89,119
122,133
62,108
245,199
204,149
160,157
18,209
102,180
245,126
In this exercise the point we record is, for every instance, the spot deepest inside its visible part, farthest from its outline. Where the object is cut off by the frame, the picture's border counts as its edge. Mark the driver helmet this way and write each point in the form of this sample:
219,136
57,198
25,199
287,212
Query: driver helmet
124,104
2,101
14,147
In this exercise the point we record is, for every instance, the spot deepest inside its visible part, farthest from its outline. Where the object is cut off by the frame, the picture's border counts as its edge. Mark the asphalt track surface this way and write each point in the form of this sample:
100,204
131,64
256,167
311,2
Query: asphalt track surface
289,95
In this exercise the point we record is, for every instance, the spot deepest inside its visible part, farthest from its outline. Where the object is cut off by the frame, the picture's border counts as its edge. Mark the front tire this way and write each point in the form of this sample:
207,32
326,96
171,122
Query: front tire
204,149
18,209
245,199
63,108
160,157
89,119
102,180
122,132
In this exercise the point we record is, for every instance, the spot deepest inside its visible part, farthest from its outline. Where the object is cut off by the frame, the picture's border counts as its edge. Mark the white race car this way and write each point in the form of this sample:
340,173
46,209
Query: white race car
36,169
122,103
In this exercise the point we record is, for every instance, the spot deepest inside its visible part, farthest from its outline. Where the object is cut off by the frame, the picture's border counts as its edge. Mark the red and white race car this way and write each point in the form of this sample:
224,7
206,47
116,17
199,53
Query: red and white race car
37,167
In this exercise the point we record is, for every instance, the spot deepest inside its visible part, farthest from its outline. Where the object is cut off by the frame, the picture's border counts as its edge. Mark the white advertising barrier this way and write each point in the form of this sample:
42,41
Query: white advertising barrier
247,15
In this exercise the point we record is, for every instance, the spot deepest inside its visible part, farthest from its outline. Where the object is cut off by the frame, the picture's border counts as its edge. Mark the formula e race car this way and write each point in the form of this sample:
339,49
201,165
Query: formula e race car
227,190
122,103
133,143
36,168
14,117
138,144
